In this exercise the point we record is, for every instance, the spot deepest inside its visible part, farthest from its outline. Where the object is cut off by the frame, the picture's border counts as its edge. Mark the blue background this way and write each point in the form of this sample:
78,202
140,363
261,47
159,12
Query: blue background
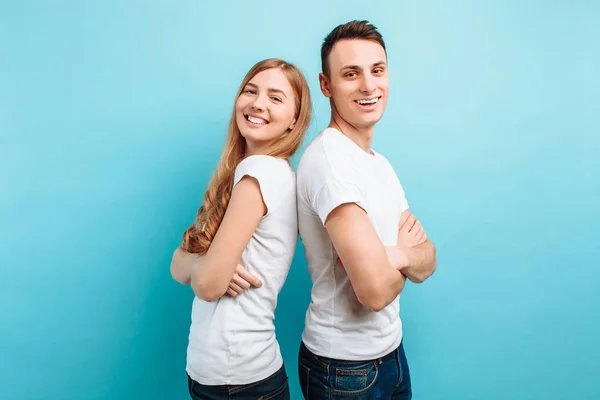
113,115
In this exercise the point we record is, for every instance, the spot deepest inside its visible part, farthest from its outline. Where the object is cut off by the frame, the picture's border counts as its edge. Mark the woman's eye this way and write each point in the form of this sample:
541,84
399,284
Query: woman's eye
276,99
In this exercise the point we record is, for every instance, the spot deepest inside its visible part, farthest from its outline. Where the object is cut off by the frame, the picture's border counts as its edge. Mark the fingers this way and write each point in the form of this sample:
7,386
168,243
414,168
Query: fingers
418,233
417,228
236,288
239,281
421,237
247,276
408,225
403,217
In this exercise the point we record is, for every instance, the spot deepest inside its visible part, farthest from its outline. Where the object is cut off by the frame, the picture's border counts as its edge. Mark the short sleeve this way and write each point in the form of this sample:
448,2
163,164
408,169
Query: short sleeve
402,200
333,194
272,174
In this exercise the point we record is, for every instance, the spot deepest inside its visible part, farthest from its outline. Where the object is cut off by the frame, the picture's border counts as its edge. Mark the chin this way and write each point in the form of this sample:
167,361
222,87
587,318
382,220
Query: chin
368,123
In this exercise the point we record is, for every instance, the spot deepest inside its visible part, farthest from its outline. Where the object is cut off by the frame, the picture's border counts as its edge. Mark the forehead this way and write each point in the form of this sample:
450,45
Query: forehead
356,52
273,78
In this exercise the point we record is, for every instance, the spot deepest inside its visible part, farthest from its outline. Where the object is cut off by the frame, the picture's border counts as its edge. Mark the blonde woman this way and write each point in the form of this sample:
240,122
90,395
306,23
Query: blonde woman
238,252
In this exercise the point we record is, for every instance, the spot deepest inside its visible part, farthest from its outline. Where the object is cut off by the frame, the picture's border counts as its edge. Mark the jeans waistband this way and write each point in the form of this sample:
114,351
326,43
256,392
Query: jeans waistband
307,353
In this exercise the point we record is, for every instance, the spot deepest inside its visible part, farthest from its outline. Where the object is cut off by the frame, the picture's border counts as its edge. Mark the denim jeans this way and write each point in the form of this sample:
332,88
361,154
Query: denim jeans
273,387
387,377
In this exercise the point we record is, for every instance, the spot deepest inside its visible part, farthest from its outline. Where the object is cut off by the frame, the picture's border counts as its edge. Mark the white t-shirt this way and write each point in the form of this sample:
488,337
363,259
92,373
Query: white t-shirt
232,340
333,170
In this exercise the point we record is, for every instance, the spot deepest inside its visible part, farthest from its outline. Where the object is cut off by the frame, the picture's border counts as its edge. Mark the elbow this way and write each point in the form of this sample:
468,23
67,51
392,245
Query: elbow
430,271
207,291
178,272
426,272
179,277
379,292
373,299
375,303
422,277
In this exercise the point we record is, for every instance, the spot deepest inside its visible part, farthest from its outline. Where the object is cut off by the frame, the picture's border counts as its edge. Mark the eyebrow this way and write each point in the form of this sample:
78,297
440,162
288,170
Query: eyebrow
377,64
271,90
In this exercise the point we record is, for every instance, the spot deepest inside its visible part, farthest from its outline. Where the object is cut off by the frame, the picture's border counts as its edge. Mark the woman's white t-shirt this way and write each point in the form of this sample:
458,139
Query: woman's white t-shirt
232,340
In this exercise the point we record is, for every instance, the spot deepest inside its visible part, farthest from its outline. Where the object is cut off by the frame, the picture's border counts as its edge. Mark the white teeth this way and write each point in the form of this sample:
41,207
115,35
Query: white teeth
368,101
254,120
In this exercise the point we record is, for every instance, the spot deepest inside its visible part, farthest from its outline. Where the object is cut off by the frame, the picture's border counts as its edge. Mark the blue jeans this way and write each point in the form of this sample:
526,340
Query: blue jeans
383,378
273,387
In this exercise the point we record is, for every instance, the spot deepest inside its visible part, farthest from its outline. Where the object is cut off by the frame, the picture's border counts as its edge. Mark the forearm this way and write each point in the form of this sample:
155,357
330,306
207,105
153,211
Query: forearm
381,289
183,264
209,282
419,262
393,285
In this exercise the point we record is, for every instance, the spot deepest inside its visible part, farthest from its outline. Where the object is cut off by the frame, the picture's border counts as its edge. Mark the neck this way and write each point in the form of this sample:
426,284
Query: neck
253,149
361,136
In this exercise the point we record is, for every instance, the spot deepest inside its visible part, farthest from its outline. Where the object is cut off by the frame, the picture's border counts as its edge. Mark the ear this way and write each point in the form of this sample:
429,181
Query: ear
292,124
325,85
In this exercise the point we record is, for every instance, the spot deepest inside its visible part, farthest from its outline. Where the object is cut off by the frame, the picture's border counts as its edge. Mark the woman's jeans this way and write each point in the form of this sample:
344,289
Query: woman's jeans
275,387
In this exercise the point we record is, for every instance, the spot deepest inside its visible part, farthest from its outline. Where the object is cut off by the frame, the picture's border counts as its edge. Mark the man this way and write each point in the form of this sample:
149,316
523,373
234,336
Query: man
361,241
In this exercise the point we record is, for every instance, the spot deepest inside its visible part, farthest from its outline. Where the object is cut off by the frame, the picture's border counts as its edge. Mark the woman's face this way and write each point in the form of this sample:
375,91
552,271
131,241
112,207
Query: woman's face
265,110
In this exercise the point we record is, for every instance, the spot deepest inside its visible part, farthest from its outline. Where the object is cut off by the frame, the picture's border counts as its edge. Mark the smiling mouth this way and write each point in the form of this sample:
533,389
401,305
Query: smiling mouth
256,120
368,102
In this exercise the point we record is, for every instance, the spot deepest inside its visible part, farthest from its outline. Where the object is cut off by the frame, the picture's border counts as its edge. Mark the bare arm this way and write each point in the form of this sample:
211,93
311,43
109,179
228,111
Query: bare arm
182,265
421,262
375,281
414,254
244,212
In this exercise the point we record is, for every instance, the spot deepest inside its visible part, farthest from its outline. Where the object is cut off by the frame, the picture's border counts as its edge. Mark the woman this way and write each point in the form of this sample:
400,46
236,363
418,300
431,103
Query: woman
238,253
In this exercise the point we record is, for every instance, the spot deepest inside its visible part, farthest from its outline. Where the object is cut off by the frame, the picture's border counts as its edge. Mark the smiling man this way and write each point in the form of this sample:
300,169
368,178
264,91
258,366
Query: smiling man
361,240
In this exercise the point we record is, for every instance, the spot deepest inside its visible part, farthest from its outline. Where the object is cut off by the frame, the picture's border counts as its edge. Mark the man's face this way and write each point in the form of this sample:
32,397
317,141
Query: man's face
358,81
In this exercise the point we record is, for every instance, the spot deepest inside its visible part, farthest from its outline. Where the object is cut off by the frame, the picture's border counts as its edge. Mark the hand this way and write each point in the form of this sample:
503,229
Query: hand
411,232
242,280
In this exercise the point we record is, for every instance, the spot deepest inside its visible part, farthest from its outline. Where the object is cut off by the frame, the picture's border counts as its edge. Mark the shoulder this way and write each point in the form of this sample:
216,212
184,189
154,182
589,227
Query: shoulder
328,155
275,178
264,168
262,161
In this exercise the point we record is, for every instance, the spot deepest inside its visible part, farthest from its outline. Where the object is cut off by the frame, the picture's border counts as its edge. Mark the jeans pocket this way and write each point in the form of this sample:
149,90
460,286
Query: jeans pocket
354,380
282,393
304,378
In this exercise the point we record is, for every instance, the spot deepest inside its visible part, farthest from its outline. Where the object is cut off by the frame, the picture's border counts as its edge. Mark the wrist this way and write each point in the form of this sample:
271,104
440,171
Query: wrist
398,257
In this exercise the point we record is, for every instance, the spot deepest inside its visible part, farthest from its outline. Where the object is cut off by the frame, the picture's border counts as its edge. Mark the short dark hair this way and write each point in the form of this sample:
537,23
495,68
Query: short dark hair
350,30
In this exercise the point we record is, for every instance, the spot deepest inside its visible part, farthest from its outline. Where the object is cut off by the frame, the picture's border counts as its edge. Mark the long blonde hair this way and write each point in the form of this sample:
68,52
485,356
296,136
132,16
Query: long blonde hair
197,238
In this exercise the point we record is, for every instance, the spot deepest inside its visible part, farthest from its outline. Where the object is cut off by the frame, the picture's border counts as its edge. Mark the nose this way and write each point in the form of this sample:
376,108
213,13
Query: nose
259,103
367,84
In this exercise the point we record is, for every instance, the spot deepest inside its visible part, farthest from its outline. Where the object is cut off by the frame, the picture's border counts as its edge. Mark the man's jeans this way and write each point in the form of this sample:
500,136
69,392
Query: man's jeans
380,379
273,387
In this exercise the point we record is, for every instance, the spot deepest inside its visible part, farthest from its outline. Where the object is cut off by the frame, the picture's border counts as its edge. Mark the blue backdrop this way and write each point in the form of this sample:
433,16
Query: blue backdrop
113,115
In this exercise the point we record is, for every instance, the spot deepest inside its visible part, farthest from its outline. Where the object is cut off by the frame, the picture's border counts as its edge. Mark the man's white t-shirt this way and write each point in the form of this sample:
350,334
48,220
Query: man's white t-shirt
333,170
232,340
